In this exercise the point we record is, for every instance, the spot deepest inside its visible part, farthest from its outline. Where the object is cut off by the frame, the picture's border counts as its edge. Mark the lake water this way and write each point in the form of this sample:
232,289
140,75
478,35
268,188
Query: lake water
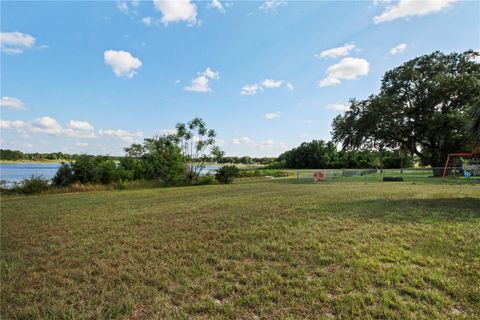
16,172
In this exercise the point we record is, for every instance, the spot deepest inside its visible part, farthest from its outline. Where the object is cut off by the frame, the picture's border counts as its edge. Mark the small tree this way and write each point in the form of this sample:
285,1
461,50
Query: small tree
194,139
226,174
217,154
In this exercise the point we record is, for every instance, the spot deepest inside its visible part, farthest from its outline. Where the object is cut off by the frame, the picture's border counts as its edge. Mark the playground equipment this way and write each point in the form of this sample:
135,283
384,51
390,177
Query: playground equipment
469,167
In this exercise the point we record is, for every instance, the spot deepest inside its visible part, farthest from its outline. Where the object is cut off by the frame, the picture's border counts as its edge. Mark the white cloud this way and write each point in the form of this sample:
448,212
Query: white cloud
122,62
177,10
122,6
398,49
338,107
250,89
12,103
408,8
128,7
15,124
270,83
167,132
15,42
124,135
201,82
266,144
217,4
79,125
81,144
272,5
46,125
336,52
148,21
272,115
346,69
245,140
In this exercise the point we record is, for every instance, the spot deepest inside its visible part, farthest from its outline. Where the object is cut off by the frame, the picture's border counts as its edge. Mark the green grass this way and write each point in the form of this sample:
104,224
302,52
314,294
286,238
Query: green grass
251,250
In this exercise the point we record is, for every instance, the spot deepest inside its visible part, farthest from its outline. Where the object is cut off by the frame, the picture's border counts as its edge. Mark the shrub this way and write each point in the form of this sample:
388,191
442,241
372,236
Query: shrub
34,184
64,176
226,174
205,179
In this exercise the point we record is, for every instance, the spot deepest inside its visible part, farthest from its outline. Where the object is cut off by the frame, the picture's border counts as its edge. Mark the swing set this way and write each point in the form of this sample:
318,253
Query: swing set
470,169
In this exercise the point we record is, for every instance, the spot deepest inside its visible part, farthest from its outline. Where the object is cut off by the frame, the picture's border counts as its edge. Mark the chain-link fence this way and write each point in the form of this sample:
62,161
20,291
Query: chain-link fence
458,175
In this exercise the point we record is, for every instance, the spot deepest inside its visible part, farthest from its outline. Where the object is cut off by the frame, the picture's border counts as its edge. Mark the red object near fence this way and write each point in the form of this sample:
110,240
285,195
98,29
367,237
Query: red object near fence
319,176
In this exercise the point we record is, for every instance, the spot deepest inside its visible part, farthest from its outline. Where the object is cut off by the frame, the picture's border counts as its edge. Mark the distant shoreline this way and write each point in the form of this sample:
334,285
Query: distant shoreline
30,161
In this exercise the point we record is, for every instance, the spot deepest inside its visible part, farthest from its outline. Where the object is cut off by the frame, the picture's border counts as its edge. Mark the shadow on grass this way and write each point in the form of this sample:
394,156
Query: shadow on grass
417,210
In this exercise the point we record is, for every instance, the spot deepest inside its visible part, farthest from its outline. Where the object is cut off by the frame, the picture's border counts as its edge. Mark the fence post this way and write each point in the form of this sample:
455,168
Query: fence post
297,176
365,175
414,176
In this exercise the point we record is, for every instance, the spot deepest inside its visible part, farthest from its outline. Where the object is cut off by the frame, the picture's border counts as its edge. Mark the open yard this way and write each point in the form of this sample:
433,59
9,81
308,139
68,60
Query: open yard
251,250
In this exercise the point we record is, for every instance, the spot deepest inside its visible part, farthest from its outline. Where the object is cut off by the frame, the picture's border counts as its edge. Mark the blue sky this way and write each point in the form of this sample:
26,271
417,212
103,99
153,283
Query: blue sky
94,77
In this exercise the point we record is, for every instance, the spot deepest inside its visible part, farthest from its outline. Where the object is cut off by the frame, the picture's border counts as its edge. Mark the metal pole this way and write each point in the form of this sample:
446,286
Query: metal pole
365,175
297,176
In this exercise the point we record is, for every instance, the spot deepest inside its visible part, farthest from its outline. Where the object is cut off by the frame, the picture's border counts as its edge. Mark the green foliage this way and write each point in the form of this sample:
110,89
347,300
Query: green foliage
249,173
422,106
206,179
64,175
12,155
32,185
158,158
226,174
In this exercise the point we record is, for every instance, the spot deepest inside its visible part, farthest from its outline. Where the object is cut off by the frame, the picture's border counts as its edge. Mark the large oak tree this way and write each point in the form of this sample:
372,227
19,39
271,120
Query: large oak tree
423,105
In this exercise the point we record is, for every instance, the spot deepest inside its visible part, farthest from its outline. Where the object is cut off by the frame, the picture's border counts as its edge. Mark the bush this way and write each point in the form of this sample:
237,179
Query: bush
35,184
64,176
205,179
226,174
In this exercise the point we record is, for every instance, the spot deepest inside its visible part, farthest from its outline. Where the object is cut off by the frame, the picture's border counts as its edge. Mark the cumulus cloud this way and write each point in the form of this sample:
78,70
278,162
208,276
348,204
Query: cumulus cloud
122,63
15,42
201,82
15,124
177,10
270,83
272,115
272,5
409,8
124,135
398,49
252,89
12,103
338,107
79,125
336,52
217,4
46,125
346,69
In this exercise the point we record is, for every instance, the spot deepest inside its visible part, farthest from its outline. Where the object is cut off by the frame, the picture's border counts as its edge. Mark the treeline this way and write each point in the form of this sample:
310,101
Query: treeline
16,155
324,155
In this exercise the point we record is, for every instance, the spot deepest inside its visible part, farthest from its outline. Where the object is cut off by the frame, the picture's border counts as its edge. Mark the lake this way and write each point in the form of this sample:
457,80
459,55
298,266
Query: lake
16,172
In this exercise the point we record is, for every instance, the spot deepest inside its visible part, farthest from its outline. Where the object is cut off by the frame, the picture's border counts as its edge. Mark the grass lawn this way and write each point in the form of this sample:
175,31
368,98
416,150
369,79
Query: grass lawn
253,250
